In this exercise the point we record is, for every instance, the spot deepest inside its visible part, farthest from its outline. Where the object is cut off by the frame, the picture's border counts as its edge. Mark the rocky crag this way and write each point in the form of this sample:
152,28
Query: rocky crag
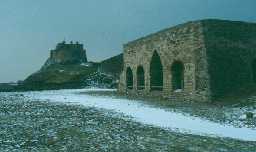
67,54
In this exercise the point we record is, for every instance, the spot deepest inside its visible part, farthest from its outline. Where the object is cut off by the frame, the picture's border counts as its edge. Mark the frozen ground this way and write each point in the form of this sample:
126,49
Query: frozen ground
39,121
150,115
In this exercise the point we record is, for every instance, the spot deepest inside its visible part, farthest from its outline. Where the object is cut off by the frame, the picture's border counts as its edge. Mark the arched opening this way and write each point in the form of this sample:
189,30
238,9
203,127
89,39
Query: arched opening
156,73
129,78
140,78
254,70
177,70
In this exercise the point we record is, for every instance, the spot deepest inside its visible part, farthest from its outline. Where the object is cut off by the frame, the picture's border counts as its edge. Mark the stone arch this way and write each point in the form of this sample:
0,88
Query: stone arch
140,78
177,71
254,70
156,73
129,78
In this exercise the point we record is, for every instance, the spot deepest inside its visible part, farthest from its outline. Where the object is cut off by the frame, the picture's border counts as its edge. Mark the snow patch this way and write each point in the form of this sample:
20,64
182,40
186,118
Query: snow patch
87,64
178,90
146,114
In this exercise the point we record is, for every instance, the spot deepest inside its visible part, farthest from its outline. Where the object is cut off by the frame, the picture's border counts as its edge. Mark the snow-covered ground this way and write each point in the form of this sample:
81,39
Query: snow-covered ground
140,112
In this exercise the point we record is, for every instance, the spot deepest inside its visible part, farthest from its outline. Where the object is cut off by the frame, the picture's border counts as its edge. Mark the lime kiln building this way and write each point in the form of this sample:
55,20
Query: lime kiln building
201,60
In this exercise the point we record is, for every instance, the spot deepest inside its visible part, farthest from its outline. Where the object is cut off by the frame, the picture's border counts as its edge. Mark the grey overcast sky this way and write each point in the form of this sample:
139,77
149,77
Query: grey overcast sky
30,28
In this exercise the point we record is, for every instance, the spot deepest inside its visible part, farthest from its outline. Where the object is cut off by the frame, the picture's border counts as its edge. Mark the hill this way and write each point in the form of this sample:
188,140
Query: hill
60,76
63,76
112,65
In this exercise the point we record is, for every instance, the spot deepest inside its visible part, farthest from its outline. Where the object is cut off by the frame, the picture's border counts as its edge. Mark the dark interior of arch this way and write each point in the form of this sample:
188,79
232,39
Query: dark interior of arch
129,78
254,70
177,75
156,73
140,78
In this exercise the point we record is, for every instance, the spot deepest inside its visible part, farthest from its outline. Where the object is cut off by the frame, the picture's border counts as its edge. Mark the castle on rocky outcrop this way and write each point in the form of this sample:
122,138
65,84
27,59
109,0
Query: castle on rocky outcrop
64,53
201,60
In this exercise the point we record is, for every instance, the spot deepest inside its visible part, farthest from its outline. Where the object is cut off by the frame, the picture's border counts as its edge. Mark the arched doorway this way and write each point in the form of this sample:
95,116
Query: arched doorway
156,73
129,78
254,70
177,71
140,78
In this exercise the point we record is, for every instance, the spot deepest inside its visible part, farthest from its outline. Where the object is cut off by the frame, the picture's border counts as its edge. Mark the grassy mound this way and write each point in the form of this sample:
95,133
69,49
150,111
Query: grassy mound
59,77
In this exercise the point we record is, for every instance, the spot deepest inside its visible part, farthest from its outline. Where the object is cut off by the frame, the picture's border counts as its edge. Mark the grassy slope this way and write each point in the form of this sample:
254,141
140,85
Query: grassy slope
72,76
112,65
59,76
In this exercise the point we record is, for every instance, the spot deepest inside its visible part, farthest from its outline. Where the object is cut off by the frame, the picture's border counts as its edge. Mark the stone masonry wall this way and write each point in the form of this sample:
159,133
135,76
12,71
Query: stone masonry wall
231,49
183,43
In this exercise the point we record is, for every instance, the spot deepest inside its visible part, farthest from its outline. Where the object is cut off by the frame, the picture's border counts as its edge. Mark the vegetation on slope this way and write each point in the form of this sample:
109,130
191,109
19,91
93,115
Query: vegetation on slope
60,76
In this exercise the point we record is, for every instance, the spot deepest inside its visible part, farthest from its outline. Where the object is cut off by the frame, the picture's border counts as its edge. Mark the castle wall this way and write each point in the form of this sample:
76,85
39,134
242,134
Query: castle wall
183,43
68,53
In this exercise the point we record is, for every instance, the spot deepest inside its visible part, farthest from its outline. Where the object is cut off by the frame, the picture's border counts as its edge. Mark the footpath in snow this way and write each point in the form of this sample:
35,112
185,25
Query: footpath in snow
146,114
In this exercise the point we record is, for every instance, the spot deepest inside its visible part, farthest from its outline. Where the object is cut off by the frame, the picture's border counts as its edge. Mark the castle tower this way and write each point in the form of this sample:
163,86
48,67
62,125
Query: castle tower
73,53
